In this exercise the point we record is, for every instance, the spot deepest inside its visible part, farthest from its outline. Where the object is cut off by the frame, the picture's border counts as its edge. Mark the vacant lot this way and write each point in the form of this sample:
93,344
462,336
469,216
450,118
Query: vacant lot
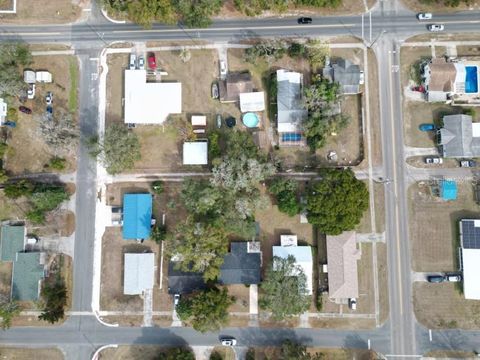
434,226
12,353
42,12
35,157
418,6
134,352
443,306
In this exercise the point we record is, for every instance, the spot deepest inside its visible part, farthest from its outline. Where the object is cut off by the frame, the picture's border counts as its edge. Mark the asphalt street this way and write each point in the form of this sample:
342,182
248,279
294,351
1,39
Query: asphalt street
384,29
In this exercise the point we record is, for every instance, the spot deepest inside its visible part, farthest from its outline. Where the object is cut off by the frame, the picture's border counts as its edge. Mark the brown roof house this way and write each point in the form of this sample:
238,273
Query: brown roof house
235,84
440,78
342,257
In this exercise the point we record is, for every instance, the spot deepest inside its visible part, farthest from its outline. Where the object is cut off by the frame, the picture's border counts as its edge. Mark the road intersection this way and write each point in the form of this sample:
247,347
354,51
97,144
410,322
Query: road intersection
383,31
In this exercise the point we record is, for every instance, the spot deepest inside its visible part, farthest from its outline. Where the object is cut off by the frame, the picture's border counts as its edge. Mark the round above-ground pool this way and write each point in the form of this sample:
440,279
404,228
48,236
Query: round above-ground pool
250,120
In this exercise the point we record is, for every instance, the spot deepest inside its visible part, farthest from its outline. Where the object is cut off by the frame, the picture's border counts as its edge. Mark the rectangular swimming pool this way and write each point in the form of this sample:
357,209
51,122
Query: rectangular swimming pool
291,137
471,79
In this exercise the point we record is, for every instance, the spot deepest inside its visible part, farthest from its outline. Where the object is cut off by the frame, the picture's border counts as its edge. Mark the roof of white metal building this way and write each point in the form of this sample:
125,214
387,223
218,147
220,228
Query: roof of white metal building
303,258
195,153
138,273
252,101
152,102
471,269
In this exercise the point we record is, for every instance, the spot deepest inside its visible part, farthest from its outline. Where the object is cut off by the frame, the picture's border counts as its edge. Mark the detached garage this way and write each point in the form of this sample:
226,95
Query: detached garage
138,273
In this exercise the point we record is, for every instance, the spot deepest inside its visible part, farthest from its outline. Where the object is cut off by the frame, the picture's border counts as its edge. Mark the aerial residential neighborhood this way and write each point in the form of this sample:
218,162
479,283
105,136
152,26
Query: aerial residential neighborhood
218,179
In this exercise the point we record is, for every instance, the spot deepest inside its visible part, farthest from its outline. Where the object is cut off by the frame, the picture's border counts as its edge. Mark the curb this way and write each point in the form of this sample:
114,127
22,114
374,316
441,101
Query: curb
104,13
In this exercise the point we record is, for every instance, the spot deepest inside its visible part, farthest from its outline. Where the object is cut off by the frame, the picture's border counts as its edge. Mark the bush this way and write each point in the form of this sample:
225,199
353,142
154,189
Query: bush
57,163
159,232
216,356
36,216
20,188
297,50
213,145
469,111
158,187
285,192
3,149
12,114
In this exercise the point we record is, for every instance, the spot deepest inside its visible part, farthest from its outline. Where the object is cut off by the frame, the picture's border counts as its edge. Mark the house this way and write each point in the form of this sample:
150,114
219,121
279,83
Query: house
12,241
242,264
348,75
28,272
195,152
235,84
302,255
448,190
183,282
150,102
3,111
342,257
459,137
252,101
470,257
291,110
138,273
137,216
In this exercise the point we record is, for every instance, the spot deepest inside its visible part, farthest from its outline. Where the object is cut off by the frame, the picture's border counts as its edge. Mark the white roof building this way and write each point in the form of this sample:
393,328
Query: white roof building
3,110
303,258
195,153
138,273
252,101
29,76
199,120
470,242
150,102
43,77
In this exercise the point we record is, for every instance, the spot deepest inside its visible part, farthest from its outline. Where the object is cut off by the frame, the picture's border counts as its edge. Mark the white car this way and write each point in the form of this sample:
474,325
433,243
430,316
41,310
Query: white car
352,304
223,69
176,299
361,80
133,62
453,277
141,63
49,98
228,341
424,16
436,27
433,160
31,92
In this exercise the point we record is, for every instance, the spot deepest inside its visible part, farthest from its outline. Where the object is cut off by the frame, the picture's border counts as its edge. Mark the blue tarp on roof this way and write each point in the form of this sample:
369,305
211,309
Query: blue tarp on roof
448,190
137,215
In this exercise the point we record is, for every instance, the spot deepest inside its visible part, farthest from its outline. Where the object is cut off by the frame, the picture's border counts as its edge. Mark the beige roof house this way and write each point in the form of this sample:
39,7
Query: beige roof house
234,85
442,75
342,257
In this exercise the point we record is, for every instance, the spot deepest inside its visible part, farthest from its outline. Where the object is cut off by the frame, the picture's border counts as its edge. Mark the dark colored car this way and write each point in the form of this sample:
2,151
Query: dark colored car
435,278
152,62
304,20
25,109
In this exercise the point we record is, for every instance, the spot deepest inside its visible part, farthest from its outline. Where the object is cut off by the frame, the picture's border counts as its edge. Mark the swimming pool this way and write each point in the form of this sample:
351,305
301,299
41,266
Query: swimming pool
250,120
291,137
471,79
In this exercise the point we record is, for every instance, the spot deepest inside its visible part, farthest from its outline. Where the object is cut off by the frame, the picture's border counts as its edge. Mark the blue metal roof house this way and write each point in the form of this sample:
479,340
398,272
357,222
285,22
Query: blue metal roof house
137,216
448,190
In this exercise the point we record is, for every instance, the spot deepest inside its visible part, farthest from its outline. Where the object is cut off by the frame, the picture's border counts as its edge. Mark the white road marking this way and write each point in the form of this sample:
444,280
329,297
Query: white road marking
87,10
33,34
369,344
430,334
94,59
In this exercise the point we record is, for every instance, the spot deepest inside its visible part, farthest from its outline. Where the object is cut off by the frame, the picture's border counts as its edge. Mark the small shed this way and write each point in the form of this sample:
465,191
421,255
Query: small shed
43,77
137,216
29,76
195,153
199,120
448,190
138,273
252,101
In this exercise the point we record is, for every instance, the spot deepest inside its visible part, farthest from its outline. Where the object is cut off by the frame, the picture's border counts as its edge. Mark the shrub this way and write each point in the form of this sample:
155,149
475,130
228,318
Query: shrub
3,149
12,114
297,50
57,163
213,145
159,232
158,187
20,188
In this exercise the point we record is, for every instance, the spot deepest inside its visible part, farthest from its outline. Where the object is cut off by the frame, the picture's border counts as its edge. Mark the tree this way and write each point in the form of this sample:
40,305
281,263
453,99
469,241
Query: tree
13,55
269,50
159,233
185,55
317,53
158,187
215,356
54,294
201,247
201,198
285,192
197,13
297,50
285,294
61,133
320,93
208,309
9,309
337,202
145,12
14,190
119,149
177,354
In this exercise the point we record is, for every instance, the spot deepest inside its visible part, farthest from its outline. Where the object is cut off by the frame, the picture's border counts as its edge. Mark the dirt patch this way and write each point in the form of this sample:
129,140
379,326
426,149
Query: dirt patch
124,320
352,324
226,353
133,352
13,353
434,226
382,282
43,12
57,223
375,127
419,161
12,209
468,50
241,293
5,278
265,353
443,306
417,6
450,354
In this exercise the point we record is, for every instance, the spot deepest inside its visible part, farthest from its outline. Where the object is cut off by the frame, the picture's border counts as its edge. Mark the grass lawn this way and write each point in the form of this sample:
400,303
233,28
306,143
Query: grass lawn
265,353
42,12
13,353
73,94
365,224
133,352
5,278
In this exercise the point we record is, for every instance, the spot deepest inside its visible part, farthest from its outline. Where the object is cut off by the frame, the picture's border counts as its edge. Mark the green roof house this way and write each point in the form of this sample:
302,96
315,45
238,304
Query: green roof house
28,271
12,240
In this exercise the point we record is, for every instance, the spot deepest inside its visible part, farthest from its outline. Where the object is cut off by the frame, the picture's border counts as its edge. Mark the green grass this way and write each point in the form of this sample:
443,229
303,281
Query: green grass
72,97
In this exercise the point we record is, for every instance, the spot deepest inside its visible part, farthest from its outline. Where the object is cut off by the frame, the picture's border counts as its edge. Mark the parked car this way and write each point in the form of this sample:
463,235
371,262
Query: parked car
433,160
49,98
467,163
219,121
435,278
152,63
49,111
25,109
453,277
304,20
352,303
133,62
427,127
31,92
436,27
176,299
228,341
141,63
361,80
223,69
215,91
424,16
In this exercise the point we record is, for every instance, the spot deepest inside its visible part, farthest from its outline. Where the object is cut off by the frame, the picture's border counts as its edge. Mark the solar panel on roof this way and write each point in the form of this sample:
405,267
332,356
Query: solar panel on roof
470,234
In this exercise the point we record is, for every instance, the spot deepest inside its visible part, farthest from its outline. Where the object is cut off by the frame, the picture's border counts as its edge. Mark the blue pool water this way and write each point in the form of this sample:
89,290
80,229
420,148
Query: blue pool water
250,120
471,80
291,137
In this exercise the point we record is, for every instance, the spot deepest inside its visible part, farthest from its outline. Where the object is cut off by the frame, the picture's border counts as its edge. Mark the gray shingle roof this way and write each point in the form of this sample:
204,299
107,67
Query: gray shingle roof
347,75
183,282
239,266
27,273
291,110
12,240
457,138
138,274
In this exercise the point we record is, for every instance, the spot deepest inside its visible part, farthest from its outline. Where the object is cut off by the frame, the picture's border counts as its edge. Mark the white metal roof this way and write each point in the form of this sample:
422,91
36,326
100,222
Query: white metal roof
199,120
29,76
138,273
303,258
3,108
252,101
152,102
195,153
43,76
471,269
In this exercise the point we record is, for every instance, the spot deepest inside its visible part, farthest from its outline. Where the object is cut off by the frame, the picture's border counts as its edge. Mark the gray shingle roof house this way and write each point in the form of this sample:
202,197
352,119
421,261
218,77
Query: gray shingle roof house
291,110
12,240
138,273
342,257
183,282
28,271
459,137
346,74
235,84
240,266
